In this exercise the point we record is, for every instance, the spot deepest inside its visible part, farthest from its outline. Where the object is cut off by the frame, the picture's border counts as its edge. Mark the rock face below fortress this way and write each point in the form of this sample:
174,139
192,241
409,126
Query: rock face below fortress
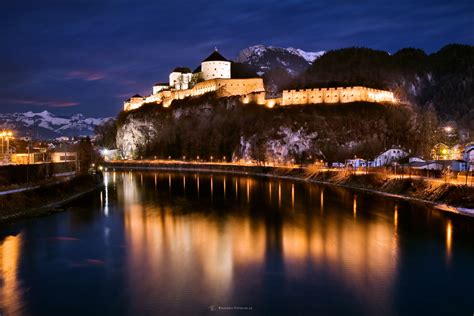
207,126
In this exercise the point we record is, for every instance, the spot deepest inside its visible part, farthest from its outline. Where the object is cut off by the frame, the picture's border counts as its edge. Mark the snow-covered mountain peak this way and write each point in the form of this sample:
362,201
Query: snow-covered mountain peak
308,56
48,125
264,58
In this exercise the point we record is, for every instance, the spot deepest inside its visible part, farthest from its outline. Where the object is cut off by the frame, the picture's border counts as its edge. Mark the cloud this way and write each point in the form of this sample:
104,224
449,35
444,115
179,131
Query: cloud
85,75
47,103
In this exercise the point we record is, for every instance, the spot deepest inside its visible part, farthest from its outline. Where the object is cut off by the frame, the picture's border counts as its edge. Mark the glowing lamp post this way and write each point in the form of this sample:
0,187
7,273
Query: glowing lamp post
6,136
448,129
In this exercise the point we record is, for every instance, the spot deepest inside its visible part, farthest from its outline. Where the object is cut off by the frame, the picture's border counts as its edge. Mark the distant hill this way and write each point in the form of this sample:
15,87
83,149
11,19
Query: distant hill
443,80
264,58
45,125
277,65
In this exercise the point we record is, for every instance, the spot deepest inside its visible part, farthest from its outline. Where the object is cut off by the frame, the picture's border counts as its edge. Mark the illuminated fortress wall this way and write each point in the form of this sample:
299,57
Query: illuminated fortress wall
253,91
335,95
323,95
222,87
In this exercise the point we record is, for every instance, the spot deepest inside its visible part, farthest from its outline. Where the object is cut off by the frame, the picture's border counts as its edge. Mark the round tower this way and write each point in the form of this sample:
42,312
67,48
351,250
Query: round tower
215,66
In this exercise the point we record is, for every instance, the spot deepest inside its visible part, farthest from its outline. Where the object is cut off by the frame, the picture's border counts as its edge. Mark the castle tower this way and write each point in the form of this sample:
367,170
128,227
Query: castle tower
180,78
215,66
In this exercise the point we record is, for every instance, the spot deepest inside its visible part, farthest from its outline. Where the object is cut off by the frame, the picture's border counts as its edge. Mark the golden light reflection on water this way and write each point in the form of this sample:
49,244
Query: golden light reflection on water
225,180
182,249
212,186
236,188
279,194
449,239
248,190
10,293
292,195
322,200
269,190
395,216
197,184
354,206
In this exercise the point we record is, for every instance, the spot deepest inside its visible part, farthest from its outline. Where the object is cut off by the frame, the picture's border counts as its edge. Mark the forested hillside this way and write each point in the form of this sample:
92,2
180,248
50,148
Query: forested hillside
207,127
443,80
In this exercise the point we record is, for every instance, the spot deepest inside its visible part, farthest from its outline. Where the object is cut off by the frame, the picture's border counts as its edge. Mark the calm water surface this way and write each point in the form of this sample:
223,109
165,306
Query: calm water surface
194,244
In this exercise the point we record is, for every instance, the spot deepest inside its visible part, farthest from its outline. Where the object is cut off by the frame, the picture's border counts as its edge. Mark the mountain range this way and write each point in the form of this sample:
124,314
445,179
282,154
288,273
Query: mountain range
46,125
265,58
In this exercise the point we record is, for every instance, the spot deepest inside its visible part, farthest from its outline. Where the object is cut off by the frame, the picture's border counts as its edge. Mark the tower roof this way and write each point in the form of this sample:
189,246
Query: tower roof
198,69
137,96
215,56
183,70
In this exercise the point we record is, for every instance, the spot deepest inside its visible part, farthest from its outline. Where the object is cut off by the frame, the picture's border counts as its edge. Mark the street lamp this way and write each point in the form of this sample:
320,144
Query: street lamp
6,136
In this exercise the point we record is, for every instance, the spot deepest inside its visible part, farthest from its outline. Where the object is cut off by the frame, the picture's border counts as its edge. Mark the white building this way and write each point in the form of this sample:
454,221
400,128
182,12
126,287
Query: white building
356,163
456,152
415,159
389,156
468,155
215,66
157,87
180,78
63,156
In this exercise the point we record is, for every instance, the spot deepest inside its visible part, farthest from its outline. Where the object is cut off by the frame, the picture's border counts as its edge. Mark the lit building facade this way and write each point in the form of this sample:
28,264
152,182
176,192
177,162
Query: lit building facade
214,75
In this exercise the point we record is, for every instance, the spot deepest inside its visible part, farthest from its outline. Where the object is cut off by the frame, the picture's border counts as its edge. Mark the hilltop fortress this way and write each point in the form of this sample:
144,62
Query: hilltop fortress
214,75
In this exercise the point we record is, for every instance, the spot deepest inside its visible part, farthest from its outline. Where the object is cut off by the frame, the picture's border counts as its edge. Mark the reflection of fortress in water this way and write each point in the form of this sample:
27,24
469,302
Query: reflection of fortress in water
164,236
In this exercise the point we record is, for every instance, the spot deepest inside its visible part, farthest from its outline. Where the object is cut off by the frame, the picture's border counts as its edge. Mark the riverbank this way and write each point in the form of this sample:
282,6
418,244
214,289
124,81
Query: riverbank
444,196
44,200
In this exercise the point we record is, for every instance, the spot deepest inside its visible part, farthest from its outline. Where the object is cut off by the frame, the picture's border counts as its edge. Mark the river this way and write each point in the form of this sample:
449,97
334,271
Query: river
169,243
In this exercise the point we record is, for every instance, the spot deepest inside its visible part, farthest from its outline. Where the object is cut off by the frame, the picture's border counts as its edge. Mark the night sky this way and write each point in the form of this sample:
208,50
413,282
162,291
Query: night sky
72,56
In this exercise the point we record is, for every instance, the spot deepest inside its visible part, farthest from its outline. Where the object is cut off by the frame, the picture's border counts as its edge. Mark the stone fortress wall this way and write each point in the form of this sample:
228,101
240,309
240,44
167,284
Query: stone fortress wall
222,87
253,91
322,95
214,75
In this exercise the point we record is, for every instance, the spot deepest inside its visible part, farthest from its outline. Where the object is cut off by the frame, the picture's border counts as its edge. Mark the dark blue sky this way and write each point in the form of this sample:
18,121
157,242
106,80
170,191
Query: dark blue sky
84,56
